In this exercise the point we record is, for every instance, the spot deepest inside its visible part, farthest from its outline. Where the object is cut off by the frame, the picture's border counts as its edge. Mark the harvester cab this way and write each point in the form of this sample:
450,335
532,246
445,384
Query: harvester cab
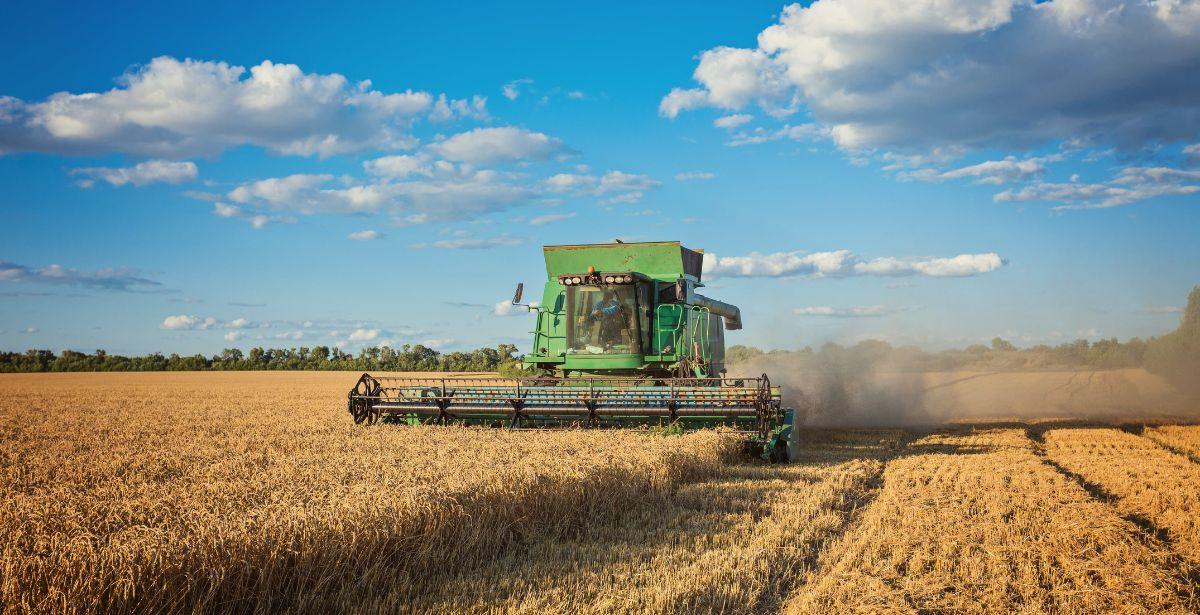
621,339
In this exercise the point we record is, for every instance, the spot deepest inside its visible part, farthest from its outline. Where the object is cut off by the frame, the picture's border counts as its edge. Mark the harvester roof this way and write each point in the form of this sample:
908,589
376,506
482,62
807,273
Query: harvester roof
664,260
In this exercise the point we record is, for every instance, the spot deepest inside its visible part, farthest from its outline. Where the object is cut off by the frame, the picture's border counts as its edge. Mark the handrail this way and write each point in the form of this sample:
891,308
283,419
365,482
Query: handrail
673,334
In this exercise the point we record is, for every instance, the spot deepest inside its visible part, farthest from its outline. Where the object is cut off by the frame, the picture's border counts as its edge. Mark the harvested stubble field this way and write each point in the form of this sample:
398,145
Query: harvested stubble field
254,492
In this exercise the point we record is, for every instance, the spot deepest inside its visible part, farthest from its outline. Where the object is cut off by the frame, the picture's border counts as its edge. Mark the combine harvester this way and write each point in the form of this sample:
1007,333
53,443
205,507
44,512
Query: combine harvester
622,340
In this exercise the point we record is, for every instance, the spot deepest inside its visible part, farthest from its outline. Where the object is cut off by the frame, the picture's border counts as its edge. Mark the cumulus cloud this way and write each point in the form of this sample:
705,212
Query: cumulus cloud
363,335
119,279
972,74
445,110
861,311
512,89
695,175
399,166
233,336
618,186
178,108
149,172
451,192
255,219
843,263
186,322
1130,185
732,121
368,235
500,144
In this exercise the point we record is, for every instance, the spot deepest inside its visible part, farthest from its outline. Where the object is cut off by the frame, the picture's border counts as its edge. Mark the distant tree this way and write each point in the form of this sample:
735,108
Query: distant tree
1176,355
1002,345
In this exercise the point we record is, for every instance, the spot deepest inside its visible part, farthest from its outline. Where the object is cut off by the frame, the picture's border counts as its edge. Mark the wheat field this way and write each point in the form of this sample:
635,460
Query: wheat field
254,492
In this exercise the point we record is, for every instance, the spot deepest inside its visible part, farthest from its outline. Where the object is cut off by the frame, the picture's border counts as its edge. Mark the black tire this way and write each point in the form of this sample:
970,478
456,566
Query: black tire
779,453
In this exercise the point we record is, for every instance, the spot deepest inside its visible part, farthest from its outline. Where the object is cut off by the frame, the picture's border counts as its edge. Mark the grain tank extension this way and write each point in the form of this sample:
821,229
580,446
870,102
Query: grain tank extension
621,339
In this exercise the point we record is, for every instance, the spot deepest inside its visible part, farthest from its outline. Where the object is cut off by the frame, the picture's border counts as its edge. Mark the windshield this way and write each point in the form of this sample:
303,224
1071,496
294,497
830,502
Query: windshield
602,320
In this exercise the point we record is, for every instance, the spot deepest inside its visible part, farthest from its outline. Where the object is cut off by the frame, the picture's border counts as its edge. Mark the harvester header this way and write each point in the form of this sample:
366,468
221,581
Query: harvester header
621,338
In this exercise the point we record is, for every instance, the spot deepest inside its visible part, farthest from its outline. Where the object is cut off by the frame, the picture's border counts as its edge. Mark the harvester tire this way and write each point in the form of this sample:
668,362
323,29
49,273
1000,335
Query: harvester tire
779,453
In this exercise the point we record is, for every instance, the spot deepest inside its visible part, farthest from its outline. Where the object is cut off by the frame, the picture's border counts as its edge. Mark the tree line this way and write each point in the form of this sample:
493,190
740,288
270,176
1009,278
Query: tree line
1176,356
409,358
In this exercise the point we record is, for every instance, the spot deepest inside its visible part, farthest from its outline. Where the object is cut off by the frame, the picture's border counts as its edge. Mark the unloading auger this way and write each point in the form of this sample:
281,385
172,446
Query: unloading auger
621,340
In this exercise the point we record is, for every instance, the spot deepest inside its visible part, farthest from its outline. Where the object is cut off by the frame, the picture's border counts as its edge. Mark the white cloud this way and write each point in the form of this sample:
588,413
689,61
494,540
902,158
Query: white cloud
114,279
953,267
447,110
730,122
451,193
625,187
570,182
279,189
234,336
368,235
976,74
506,308
993,172
254,219
399,166
576,95
185,322
1131,184
624,199
175,108
363,335
468,243
843,263
29,330
549,218
683,177
512,89
862,311
143,173
618,181
500,144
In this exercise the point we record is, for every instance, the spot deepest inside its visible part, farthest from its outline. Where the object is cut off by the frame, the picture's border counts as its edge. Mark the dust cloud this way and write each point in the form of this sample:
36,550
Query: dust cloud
849,389
844,389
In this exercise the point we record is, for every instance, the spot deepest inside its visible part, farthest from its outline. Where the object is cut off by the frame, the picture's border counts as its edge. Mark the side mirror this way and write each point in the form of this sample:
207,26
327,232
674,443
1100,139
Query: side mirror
517,295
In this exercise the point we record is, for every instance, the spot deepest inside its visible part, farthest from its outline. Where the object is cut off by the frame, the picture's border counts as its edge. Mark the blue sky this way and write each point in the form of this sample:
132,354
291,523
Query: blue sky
184,179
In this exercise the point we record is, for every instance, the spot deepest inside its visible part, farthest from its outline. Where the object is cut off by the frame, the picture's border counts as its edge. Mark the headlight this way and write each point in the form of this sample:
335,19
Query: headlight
566,281
576,281
608,279
628,279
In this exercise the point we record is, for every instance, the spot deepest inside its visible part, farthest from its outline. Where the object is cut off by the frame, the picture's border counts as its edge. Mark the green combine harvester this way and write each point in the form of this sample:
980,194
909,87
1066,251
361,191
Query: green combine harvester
622,339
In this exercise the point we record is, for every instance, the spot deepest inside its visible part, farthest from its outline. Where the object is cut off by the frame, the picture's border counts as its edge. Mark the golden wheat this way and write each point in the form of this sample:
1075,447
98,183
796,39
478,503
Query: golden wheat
730,544
1147,480
977,523
254,492
185,492
1183,439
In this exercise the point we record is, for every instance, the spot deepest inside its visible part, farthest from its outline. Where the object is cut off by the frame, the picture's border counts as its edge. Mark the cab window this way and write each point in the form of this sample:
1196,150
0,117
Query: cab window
603,320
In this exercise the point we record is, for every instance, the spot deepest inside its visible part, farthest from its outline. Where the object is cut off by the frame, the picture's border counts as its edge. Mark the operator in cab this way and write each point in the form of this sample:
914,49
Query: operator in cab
609,320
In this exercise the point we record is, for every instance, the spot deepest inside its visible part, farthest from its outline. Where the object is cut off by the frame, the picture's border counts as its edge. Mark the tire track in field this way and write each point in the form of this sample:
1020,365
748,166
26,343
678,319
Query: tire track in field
734,543
851,511
1167,446
1149,533
957,381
